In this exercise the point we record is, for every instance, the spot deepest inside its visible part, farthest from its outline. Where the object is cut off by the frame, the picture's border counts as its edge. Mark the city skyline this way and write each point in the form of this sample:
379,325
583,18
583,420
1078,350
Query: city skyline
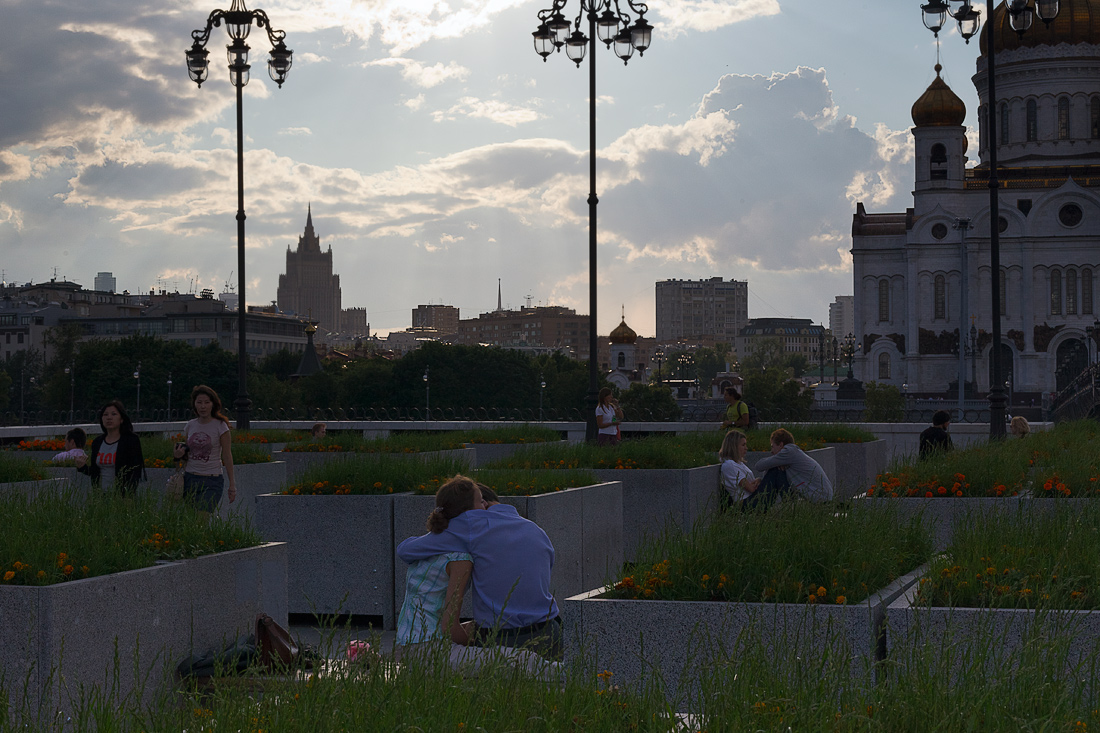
440,153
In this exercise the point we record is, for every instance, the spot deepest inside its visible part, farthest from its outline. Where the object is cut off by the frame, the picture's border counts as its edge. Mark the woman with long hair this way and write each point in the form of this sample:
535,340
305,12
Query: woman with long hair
608,417
116,461
207,450
737,478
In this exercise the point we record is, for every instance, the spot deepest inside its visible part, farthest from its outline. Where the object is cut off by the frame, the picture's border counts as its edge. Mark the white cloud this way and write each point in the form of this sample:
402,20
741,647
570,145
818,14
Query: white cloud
708,15
296,131
423,75
488,109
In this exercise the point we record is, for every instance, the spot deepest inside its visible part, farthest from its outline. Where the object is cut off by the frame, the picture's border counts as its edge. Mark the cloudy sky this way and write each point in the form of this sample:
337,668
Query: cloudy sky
441,153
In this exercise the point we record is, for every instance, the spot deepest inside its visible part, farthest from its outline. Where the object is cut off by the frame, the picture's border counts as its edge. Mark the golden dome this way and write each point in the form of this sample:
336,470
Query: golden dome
1078,21
623,334
938,106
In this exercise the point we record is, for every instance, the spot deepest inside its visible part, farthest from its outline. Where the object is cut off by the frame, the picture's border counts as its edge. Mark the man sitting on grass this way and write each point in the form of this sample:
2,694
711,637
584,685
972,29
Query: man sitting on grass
788,471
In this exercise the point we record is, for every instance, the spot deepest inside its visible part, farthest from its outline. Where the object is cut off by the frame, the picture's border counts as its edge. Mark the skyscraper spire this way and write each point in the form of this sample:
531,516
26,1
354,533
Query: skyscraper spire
499,308
309,216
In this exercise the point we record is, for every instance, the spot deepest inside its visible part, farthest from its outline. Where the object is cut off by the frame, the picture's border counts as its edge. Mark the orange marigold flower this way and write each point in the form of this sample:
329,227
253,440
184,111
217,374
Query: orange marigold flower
68,570
9,575
41,574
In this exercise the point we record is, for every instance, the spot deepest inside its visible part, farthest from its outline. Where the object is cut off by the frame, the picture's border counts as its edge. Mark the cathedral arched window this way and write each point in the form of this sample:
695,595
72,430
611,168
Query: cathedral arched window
1004,123
622,360
939,298
883,366
1063,118
1094,117
1055,292
1086,291
1032,121
1004,291
883,300
1071,292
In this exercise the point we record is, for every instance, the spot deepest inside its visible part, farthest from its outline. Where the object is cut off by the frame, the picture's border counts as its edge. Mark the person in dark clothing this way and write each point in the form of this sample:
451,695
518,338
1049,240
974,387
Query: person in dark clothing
116,460
935,439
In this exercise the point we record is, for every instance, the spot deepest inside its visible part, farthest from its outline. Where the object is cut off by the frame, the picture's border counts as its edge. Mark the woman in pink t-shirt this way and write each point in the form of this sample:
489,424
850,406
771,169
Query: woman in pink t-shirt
207,449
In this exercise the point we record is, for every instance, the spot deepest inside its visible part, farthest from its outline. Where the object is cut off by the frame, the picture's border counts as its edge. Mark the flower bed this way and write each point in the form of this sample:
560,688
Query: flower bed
1010,579
15,469
158,452
120,635
583,523
806,575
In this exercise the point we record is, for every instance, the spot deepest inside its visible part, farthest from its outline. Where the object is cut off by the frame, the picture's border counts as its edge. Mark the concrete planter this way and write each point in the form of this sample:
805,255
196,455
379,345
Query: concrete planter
490,452
584,524
991,635
253,480
677,639
654,497
56,639
38,456
340,551
858,466
34,488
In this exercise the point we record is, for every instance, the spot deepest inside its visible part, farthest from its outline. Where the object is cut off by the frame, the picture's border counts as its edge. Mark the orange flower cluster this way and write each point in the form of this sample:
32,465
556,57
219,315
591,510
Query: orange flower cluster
986,584
64,566
159,540
647,584
37,444
1054,485
573,463
249,438
160,462
323,488
619,463
904,485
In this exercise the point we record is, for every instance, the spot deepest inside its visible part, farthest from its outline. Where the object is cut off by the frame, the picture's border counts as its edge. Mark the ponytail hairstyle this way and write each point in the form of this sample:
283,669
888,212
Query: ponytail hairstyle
216,410
453,498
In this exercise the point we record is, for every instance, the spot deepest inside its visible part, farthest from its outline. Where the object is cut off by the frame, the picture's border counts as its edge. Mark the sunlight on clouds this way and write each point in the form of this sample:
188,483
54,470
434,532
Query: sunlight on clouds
708,136
295,131
492,110
415,103
709,15
421,75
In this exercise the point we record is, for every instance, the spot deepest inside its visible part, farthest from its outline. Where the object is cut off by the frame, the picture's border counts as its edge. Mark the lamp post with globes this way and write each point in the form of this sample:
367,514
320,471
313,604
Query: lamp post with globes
660,356
542,388
169,396
427,396
1021,14
607,22
137,378
71,371
238,22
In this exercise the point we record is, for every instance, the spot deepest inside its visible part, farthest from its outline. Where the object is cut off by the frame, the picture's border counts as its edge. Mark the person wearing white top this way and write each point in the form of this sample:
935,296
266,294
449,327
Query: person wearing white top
737,478
608,417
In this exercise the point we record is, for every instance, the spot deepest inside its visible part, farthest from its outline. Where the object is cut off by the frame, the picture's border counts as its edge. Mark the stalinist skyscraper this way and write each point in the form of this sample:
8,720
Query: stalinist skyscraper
309,287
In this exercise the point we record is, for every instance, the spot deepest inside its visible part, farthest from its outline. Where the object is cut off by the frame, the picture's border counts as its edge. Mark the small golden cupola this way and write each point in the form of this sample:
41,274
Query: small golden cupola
939,106
623,334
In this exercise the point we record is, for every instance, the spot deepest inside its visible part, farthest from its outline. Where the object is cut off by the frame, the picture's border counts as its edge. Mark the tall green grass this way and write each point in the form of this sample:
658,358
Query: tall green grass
14,468
384,474
796,553
54,537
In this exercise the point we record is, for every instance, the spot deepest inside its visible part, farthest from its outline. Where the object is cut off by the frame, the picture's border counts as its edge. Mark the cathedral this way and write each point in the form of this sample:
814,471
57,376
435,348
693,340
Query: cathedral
309,288
922,278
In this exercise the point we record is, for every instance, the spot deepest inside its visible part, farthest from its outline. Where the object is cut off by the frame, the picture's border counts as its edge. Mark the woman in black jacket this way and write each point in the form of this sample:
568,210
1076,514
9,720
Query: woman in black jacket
116,459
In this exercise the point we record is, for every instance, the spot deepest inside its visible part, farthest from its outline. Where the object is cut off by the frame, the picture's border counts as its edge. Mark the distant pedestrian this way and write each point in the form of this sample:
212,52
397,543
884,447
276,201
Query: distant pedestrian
207,450
936,439
319,430
75,440
116,461
737,412
608,417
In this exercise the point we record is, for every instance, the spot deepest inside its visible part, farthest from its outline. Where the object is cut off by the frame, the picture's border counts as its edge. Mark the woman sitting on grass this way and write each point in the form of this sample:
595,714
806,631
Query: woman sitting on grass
435,588
737,478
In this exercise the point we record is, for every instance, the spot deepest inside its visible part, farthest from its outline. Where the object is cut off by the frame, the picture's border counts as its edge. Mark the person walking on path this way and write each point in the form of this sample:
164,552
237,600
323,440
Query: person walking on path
116,461
207,450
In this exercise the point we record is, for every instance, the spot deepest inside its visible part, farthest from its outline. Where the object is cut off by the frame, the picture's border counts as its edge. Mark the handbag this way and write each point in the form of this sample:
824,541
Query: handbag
277,648
174,487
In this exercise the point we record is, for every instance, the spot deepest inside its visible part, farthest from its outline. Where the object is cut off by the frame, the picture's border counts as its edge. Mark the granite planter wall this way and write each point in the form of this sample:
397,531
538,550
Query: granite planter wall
655,497
490,452
678,639
858,466
33,488
340,551
584,524
988,637
55,639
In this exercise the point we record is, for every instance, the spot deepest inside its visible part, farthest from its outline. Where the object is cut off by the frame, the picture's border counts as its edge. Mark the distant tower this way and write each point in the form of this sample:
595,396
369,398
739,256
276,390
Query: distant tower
623,340
499,308
105,282
309,285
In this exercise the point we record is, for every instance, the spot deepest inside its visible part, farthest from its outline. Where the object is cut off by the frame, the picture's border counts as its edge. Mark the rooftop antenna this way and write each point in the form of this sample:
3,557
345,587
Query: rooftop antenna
528,300
228,287
54,274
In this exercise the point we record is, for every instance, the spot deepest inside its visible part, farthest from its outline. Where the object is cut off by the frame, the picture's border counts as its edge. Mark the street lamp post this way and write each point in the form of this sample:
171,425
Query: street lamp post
974,360
137,378
427,396
542,388
660,360
238,22
169,395
836,359
1021,13
71,371
612,26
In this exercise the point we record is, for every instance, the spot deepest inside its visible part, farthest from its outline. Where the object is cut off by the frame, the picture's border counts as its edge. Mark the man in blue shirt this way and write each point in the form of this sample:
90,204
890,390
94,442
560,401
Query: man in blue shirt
513,558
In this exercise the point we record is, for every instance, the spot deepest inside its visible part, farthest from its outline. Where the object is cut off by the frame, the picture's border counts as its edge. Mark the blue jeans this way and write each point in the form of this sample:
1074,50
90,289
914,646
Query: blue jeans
204,491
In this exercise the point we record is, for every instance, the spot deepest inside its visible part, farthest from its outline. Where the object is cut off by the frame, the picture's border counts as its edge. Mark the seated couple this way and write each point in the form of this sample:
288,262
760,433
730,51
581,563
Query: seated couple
788,472
471,536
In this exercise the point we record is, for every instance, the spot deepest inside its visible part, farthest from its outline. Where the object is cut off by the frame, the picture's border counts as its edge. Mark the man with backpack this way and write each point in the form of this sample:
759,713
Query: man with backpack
737,412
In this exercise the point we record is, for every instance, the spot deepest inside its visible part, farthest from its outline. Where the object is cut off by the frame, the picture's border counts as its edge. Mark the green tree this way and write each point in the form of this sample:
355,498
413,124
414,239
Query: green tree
768,352
5,390
649,402
776,395
884,403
